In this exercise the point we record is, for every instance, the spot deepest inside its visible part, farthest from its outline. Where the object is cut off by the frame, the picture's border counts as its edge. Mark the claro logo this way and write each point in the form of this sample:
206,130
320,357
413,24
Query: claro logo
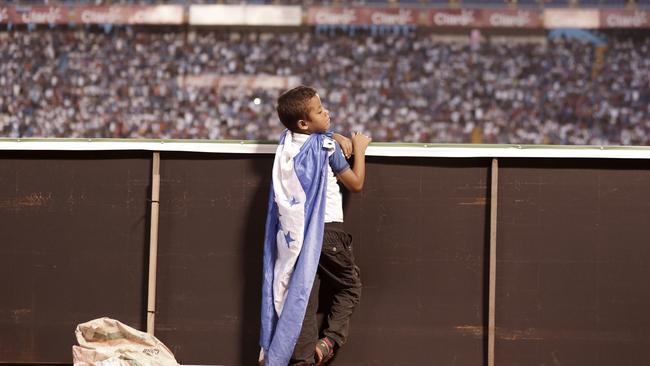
521,19
639,19
113,15
325,17
465,18
403,17
52,15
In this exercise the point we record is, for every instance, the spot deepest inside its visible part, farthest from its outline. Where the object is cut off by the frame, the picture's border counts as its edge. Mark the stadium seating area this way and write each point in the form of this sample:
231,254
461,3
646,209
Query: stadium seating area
408,88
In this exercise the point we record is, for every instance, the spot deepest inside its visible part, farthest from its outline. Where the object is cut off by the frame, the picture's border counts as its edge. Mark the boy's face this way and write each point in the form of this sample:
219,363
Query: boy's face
318,118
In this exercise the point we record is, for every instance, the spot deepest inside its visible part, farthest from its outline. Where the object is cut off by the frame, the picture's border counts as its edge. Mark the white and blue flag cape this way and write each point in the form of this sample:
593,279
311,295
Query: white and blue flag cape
292,243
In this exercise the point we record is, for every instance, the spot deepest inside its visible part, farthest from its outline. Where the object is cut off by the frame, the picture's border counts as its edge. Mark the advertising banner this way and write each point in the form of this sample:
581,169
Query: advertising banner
245,15
454,18
128,14
365,16
239,81
511,18
279,15
334,16
624,18
391,16
571,18
118,14
41,14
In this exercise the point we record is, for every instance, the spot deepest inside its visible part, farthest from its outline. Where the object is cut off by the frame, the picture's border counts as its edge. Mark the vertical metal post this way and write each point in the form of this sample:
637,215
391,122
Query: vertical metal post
153,243
494,182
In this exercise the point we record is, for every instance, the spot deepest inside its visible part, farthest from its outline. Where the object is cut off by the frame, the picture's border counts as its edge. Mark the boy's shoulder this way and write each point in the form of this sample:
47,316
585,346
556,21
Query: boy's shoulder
299,139
329,143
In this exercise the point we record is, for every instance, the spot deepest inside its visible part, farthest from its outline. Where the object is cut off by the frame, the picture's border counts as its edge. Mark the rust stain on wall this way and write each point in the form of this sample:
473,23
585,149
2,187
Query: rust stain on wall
35,199
20,314
478,201
518,334
535,334
472,330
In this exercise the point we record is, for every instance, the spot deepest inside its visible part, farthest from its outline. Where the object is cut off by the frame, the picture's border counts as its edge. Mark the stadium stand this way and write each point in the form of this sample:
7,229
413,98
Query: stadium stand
406,87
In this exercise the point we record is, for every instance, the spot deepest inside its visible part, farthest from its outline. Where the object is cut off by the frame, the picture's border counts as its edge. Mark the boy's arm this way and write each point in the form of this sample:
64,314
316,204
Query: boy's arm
354,178
344,142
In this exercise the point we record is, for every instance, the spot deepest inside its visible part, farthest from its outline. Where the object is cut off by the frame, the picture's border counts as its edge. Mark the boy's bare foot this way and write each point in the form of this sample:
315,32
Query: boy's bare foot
324,351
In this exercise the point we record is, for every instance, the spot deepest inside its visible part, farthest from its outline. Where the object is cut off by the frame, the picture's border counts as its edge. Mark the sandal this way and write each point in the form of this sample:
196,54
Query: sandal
324,351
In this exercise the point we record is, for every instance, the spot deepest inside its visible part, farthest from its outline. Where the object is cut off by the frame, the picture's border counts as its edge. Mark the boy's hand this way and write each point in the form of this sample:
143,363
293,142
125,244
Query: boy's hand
360,142
346,144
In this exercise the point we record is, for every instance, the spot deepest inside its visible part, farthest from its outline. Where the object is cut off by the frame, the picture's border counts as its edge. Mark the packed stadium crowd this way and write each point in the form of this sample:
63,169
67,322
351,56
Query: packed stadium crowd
407,87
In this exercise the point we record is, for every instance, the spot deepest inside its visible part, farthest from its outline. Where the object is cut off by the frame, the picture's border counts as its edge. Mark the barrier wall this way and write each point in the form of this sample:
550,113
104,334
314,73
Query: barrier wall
572,259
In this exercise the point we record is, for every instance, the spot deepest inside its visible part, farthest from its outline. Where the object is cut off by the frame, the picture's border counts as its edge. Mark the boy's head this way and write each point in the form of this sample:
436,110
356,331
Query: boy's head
300,110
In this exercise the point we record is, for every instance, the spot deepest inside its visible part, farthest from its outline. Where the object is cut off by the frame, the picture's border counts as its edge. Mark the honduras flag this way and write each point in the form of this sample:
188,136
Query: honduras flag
293,240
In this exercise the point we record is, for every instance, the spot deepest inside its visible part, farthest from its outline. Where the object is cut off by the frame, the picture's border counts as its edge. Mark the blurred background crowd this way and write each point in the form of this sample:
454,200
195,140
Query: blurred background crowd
407,86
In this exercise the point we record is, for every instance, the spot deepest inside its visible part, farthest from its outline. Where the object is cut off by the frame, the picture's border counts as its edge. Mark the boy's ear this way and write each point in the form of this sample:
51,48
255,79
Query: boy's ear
302,124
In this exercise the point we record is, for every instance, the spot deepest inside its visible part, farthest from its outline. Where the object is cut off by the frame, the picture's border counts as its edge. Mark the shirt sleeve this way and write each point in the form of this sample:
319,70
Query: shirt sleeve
337,160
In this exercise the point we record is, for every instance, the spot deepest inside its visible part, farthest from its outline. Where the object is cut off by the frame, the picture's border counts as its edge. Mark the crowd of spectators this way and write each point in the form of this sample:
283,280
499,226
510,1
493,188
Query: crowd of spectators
403,88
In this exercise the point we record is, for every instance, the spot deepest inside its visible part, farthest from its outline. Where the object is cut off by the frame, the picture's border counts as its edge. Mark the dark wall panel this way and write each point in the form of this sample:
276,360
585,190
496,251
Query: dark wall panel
74,228
573,262
212,214
419,229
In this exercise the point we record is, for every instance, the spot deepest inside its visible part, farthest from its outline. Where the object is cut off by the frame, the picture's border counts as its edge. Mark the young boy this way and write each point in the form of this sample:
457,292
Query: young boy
297,259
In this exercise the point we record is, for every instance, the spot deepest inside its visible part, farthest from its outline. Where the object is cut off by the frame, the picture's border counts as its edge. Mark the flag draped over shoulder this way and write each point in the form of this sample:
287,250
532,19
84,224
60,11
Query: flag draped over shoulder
292,243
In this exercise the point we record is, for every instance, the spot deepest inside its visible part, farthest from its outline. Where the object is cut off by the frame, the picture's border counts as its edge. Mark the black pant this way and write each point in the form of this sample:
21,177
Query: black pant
337,272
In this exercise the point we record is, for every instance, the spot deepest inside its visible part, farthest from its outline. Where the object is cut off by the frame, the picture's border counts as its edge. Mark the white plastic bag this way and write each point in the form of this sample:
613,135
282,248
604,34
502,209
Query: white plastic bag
108,342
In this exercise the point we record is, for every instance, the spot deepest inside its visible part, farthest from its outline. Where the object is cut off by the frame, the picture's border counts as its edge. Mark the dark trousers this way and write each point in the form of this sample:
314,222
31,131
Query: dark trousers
338,273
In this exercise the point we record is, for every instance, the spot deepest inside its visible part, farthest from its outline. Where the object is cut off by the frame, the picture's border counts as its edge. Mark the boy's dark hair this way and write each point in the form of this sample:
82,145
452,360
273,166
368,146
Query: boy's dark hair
292,105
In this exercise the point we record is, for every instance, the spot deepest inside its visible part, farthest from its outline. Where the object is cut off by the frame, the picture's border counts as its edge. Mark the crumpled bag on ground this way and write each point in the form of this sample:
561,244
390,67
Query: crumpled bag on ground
108,342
